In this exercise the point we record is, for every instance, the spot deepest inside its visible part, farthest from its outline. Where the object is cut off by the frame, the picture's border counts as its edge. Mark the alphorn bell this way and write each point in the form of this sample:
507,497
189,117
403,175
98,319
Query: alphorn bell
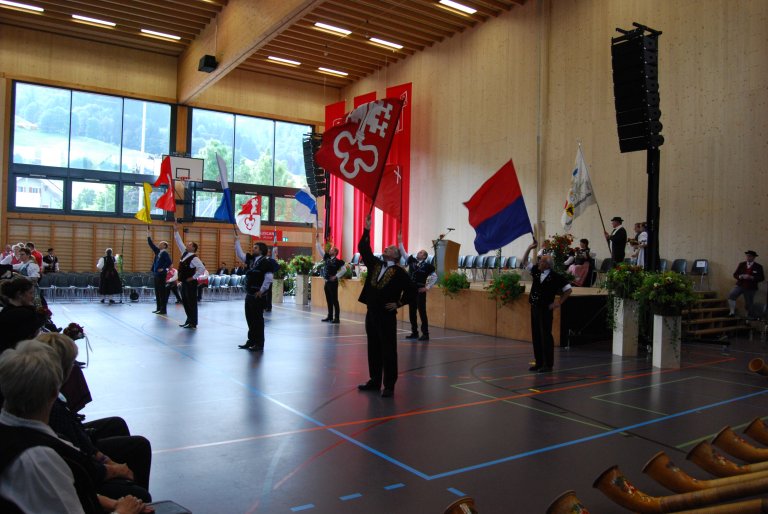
567,503
758,431
730,442
618,488
465,505
758,366
664,471
705,456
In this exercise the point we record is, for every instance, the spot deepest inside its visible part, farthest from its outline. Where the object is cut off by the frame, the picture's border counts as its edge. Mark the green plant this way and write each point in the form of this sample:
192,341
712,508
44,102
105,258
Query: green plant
666,293
505,288
452,283
623,280
558,246
363,275
348,273
301,264
282,271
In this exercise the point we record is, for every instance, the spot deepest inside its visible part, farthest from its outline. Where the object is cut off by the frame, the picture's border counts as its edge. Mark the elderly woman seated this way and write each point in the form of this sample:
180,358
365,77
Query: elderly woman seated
40,473
19,318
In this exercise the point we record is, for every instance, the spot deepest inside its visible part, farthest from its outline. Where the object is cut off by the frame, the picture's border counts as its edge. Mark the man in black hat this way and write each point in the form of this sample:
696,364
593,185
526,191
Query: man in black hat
617,240
748,275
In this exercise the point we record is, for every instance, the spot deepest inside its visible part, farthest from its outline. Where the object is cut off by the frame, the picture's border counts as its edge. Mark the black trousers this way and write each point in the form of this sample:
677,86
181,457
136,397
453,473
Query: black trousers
332,298
189,297
175,290
418,303
254,316
161,293
381,329
268,299
112,437
541,333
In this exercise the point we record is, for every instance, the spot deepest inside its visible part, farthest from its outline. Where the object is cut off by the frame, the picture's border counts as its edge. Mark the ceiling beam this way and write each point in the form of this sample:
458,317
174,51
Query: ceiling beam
240,29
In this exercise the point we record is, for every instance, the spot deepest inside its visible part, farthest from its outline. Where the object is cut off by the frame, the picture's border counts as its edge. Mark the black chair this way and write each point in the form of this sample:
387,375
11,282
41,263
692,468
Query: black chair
511,262
701,267
488,265
663,265
462,258
680,266
469,262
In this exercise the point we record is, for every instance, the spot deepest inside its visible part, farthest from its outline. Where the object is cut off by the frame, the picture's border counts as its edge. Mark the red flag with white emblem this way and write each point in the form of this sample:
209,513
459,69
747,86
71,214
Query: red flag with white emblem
391,191
356,151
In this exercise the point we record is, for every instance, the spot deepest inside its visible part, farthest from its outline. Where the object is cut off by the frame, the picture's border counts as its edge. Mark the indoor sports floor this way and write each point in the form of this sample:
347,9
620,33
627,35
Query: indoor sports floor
287,430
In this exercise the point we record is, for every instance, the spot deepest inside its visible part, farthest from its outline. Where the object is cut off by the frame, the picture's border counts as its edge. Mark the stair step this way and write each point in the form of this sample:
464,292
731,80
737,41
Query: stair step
705,310
700,321
718,330
710,301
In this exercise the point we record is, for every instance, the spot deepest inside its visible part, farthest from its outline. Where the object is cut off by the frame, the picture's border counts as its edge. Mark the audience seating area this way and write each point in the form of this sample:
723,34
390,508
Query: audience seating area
84,287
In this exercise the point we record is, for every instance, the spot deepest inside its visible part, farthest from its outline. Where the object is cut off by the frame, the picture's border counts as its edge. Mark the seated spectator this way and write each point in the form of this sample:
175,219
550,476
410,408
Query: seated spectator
19,318
39,472
223,270
27,267
580,273
123,460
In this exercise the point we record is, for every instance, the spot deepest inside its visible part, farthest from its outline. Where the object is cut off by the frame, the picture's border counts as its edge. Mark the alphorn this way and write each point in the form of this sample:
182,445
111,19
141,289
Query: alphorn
758,506
619,489
664,471
758,431
465,505
758,366
705,456
567,503
730,442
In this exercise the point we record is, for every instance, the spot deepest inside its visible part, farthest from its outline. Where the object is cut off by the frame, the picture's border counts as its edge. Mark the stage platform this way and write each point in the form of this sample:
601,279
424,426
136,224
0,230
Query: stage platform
582,316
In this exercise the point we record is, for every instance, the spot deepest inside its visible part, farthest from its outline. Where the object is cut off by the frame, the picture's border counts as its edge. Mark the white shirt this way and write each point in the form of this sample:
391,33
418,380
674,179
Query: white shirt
39,481
195,261
267,276
28,269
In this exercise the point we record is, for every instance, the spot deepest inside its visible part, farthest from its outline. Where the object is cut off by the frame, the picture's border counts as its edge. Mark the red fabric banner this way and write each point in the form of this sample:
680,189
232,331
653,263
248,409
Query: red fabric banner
167,201
390,194
334,115
400,155
361,205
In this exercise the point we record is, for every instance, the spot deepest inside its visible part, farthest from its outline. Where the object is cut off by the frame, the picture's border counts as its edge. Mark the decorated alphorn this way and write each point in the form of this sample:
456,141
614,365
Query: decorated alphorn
664,471
759,506
465,505
758,366
730,442
758,431
705,456
619,489
567,503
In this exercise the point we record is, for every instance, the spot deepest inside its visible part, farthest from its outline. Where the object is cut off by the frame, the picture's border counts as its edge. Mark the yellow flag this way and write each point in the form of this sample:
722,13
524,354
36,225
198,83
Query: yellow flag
144,214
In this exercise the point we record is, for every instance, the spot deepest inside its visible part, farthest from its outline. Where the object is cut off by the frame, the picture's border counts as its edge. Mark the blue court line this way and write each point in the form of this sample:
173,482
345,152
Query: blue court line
350,497
455,491
393,487
303,507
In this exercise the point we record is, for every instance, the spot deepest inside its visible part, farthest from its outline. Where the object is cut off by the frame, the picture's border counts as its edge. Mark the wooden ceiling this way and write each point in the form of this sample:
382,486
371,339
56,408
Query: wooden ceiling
414,24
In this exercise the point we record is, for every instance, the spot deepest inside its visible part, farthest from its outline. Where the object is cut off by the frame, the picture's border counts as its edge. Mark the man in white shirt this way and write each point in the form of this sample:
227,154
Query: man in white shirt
27,267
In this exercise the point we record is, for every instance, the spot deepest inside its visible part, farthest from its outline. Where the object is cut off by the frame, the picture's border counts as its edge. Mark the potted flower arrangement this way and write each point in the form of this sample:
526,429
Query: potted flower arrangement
301,265
622,282
666,294
452,283
558,246
505,288
278,281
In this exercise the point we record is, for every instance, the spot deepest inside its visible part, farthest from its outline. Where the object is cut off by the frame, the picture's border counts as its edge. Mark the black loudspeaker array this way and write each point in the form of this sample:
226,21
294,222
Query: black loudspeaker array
317,178
635,59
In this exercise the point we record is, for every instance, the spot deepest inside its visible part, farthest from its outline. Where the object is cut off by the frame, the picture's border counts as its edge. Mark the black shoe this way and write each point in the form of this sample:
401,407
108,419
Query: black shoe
190,326
79,364
368,386
103,300
545,369
184,325
255,348
335,321
111,301
387,393
424,337
326,319
535,368
246,346
162,312
412,335
155,312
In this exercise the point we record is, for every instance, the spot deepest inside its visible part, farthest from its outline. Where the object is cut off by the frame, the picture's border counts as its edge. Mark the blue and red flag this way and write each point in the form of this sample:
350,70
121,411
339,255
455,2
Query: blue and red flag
497,211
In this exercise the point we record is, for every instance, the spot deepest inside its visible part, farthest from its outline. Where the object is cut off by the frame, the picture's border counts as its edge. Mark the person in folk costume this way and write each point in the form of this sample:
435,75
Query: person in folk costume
332,273
258,279
423,277
748,276
387,287
160,265
190,269
50,262
109,283
617,240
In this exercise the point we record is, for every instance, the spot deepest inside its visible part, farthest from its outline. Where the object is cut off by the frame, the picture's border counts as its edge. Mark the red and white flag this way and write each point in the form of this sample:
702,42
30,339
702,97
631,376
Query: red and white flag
249,218
390,194
356,150
167,201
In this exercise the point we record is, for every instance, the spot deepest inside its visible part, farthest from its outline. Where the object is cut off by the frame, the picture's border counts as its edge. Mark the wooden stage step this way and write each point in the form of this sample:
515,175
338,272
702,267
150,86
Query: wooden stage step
718,330
700,321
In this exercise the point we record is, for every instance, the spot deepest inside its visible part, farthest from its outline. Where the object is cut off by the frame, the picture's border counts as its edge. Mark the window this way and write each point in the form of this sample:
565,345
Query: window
146,136
254,141
95,133
289,155
41,126
133,199
286,209
39,193
206,203
213,133
93,196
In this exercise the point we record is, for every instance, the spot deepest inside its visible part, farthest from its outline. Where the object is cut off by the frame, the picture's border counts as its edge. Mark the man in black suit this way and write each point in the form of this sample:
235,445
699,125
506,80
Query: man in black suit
385,290
617,240
257,283
748,276
546,283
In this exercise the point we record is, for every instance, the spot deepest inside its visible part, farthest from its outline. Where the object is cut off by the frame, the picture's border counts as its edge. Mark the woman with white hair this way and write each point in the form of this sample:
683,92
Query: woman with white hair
109,283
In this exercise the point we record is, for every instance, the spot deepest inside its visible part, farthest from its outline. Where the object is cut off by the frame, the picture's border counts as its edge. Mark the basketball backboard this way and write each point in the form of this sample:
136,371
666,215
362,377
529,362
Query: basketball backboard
187,168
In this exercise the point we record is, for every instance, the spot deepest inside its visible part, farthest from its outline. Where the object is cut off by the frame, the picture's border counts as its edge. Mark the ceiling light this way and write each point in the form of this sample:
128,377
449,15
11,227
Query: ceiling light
331,28
385,43
18,6
280,60
94,21
458,6
333,72
160,34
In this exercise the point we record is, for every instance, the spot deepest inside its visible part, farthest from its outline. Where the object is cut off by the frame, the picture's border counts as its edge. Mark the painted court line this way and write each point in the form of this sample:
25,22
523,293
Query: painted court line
393,487
350,497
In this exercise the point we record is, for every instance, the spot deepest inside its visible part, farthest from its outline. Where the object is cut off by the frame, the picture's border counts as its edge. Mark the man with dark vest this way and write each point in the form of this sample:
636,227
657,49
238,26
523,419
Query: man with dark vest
617,240
160,265
50,262
333,271
190,268
386,289
545,284
258,279
748,275
423,277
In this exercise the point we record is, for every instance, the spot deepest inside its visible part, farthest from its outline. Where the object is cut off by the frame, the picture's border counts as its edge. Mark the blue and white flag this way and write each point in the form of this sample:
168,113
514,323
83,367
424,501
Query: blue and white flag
224,212
306,209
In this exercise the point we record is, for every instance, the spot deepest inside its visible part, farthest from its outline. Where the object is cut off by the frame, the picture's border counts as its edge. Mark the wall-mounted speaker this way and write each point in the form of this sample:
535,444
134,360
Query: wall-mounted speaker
207,63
